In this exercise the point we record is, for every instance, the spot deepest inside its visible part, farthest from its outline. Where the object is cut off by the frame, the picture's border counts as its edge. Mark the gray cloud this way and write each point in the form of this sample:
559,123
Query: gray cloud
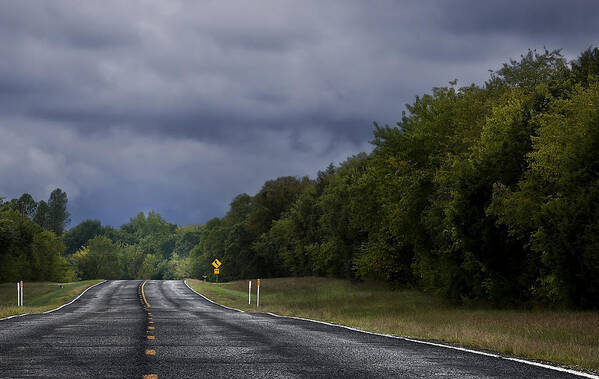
178,106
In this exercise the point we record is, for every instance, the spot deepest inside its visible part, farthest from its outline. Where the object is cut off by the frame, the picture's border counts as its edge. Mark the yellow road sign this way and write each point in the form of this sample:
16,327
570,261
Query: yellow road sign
216,271
216,263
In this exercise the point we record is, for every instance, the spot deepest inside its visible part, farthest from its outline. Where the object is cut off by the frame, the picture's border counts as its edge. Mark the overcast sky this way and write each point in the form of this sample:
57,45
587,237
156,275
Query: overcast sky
177,106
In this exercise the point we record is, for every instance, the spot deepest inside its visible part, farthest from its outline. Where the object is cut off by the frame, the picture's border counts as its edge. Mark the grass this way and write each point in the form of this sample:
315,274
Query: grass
568,338
39,296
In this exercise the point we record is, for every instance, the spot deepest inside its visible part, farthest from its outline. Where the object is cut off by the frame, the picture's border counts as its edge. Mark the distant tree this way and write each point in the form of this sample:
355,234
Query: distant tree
28,252
153,267
275,197
586,66
211,245
26,205
186,237
98,260
177,268
58,217
80,234
152,234
41,215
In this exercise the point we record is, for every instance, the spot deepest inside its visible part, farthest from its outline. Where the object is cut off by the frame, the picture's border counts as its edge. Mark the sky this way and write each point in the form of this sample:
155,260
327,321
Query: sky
178,106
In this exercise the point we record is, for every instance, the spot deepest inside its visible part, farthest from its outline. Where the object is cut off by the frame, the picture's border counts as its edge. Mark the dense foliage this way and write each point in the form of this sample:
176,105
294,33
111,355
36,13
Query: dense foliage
35,247
30,244
148,247
488,193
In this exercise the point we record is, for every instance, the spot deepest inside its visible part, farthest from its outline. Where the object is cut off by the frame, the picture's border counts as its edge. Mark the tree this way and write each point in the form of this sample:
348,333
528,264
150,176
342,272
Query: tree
152,234
41,216
98,260
57,216
586,66
80,234
26,205
186,237
555,207
28,252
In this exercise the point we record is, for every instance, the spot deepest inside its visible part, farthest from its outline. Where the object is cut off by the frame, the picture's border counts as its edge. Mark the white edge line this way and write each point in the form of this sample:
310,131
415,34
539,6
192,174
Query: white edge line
55,309
220,305
13,316
532,363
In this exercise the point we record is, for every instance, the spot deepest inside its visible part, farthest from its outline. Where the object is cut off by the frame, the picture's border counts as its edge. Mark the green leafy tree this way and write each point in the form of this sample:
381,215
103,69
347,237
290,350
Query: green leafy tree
26,205
28,252
586,67
57,215
554,208
80,234
41,215
98,260
185,238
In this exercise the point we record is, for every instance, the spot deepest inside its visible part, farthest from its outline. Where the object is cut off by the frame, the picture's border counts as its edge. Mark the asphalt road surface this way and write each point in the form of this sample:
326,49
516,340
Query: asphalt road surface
110,332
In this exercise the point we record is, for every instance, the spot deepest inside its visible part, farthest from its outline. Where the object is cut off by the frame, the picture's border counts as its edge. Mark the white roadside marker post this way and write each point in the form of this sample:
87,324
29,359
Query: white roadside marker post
250,293
21,293
18,294
258,295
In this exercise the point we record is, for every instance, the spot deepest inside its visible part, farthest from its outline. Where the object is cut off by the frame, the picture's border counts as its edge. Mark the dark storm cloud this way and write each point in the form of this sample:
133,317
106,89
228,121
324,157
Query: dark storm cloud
178,106
545,18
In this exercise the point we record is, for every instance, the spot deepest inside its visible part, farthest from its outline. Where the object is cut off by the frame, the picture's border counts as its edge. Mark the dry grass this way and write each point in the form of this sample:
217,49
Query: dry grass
39,296
564,337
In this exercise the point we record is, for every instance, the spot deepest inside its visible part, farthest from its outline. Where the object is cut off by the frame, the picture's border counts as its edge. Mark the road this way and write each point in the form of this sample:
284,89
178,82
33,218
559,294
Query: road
110,332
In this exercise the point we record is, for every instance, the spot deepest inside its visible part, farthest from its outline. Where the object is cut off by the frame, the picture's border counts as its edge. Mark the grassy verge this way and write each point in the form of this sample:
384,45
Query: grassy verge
564,337
39,296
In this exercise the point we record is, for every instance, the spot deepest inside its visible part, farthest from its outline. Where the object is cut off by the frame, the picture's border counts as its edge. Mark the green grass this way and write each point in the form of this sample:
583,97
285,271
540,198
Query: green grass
39,296
564,337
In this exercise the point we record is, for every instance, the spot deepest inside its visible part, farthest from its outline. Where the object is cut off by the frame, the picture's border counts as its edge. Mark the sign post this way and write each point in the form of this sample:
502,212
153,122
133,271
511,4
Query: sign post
250,293
258,295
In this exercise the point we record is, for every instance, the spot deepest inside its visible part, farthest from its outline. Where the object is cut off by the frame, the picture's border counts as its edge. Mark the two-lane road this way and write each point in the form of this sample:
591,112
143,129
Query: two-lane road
109,332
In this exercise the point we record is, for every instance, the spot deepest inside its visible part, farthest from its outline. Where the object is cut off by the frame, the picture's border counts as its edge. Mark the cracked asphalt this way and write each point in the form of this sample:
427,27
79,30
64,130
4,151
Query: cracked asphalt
112,331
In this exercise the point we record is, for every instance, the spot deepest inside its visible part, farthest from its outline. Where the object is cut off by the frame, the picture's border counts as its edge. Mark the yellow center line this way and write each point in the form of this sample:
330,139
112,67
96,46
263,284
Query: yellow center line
151,328
143,293
150,352
150,376
151,337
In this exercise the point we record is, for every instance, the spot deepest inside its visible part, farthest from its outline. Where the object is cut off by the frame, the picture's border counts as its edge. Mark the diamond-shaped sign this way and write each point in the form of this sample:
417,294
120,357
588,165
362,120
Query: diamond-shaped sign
216,263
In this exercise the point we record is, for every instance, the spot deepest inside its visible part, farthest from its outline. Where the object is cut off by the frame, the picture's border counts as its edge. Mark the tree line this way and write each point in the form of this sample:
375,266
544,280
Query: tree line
479,193
35,245
147,247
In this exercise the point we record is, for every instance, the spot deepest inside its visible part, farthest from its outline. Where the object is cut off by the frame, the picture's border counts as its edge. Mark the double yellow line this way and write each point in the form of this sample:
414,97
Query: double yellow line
150,329
143,294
